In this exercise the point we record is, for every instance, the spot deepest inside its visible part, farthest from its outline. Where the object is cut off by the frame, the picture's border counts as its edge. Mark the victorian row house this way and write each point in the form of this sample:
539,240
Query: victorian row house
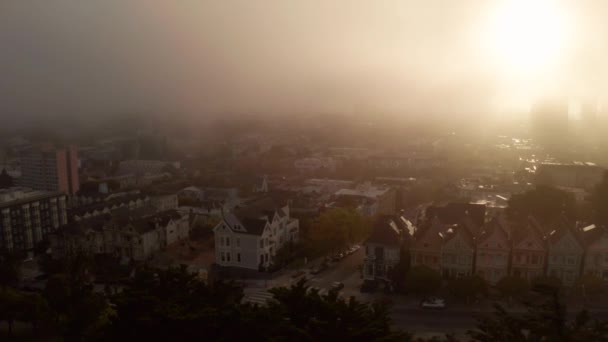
495,249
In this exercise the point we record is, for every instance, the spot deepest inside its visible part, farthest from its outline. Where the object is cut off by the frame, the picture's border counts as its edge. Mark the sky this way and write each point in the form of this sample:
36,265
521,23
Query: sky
211,57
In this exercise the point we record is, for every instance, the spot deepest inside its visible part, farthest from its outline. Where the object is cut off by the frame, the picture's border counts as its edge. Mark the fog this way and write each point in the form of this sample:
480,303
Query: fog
208,58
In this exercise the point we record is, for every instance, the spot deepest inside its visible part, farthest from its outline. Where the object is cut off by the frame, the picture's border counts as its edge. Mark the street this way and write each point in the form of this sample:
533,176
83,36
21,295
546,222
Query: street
406,313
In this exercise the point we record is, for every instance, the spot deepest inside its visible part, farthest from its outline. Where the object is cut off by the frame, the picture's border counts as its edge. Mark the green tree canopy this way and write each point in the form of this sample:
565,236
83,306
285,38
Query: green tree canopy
545,320
591,285
511,286
175,305
545,203
336,228
467,287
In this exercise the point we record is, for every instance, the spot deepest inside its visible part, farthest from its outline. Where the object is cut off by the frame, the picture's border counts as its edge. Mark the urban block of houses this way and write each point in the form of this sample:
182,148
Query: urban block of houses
108,204
128,235
497,249
250,236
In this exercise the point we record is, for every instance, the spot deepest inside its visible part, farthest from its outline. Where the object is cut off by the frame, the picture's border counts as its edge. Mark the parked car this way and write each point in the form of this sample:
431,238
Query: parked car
320,268
337,257
337,286
433,303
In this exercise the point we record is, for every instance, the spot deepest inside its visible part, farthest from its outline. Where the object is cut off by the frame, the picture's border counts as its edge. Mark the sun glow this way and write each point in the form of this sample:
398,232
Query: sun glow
527,36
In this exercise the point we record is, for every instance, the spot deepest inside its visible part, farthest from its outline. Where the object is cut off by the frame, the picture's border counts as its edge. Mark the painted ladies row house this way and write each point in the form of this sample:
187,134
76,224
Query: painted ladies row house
497,249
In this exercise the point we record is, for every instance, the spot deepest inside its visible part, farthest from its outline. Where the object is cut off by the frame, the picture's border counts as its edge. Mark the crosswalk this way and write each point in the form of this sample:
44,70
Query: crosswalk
259,296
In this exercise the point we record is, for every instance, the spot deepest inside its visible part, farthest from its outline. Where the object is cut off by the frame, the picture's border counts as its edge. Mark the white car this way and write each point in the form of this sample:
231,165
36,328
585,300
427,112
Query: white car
433,303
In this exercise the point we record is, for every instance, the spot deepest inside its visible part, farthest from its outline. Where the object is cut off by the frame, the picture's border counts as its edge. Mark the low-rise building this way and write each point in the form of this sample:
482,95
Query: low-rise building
128,237
565,255
426,246
28,216
371,199
457,252
596,256
528,254
385,247
492,254
250,236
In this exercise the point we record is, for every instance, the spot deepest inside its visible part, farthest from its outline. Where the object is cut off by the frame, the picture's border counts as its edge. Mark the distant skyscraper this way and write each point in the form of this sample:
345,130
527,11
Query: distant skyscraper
549,122
589,115
51,169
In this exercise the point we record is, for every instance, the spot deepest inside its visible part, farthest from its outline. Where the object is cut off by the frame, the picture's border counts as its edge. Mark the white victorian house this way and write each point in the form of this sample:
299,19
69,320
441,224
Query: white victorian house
251,236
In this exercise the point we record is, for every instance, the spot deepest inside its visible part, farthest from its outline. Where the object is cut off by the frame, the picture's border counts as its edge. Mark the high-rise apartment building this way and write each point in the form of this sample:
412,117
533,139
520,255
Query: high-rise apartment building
51,169
27,216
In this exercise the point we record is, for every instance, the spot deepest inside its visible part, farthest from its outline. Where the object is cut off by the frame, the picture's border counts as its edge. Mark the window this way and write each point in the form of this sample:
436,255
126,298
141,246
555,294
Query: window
238,257
261,259
238,242
571,260
534,259
228,256
266,257
222,241
227,241
222,256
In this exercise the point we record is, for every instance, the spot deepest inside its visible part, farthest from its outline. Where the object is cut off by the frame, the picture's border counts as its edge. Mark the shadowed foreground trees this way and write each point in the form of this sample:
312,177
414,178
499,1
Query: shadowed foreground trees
175,305
545,320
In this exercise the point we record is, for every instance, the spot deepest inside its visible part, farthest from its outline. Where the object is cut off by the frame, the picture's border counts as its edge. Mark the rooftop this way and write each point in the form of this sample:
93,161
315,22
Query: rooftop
19,195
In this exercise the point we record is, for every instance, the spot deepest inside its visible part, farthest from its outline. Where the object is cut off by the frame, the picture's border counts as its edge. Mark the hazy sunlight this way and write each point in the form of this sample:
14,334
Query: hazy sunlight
527,36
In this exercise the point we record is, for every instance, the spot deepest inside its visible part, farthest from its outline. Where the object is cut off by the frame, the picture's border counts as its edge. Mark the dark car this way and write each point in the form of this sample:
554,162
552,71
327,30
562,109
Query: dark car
434,303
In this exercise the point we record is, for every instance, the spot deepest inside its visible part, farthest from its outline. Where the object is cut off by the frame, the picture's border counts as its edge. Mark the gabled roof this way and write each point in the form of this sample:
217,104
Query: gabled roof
430,231
461,230
254,226
532,228
386,232
563,227
494,226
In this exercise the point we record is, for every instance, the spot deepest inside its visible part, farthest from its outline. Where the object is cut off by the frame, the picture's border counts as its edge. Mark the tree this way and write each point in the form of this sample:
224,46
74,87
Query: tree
399,273
10,307
335,228
599,202
35,309
545,203
467,287
422,280
9,269
590,285
175,305
511,286
550,283
545,320
330,318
